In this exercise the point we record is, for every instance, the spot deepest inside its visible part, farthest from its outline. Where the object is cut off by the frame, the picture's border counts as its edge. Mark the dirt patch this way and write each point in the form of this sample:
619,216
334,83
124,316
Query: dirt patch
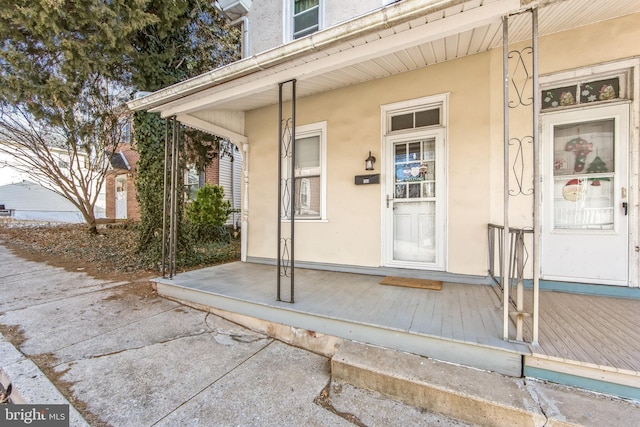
324,400
142,289
47,362
13,334
110,254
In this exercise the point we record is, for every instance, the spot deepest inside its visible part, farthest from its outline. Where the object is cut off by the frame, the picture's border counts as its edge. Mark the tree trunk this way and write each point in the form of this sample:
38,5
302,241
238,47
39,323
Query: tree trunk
90,220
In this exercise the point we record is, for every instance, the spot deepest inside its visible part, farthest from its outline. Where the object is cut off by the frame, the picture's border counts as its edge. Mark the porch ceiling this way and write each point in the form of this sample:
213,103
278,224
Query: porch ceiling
446,30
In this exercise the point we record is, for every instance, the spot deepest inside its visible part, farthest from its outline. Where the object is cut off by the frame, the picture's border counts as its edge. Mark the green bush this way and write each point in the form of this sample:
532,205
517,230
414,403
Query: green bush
207,214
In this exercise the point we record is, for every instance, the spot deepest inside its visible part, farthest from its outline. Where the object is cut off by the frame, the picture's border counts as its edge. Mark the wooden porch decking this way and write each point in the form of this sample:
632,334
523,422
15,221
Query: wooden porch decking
460,323
586,339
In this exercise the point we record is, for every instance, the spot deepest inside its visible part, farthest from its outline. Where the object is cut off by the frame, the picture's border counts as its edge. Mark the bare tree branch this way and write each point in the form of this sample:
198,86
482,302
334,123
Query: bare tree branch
70,151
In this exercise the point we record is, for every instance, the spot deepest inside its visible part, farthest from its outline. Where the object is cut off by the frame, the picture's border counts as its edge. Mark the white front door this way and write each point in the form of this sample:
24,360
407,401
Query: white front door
585,224
414,200
121,197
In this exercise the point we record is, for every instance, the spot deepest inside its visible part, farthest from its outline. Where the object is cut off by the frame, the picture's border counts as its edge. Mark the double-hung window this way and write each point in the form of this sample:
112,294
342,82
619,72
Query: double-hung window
310,172
193,180
306,17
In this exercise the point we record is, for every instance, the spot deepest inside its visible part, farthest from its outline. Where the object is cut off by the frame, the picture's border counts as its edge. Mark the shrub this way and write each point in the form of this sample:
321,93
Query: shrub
207,214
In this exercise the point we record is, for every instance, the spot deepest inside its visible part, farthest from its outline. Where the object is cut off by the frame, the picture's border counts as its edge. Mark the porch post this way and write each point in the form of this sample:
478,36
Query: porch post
175,193
171,191
537,197
244,228
164,196
504,255
287,192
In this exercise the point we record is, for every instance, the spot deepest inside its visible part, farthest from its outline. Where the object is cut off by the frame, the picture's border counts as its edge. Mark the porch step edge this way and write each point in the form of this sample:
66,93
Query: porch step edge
602,379
472,395
507,362
458,392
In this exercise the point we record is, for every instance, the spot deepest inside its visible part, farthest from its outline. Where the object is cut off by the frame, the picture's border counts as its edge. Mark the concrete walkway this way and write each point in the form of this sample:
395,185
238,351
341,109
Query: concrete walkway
128,358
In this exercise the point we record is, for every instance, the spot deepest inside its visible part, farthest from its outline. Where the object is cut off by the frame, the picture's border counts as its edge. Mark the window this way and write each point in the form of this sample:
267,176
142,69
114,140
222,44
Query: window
306,18
310,167
415,119
585,91
125,129
192,181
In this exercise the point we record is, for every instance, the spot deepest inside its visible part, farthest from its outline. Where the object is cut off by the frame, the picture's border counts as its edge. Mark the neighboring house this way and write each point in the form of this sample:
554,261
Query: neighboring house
120,185
37,202
30,201
419,85
120,188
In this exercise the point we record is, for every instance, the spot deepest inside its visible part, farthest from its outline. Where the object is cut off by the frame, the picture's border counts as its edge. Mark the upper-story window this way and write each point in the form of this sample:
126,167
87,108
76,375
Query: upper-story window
306,17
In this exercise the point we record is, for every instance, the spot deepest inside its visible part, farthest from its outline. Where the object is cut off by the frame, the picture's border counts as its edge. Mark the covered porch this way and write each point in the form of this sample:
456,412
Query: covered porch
585,341
579,340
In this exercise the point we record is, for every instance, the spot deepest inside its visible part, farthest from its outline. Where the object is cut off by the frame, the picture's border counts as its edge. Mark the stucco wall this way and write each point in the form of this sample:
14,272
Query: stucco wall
352,234
265,25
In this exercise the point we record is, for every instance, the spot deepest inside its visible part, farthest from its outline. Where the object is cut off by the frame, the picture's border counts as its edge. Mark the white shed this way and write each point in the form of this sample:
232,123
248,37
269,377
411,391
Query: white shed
30,201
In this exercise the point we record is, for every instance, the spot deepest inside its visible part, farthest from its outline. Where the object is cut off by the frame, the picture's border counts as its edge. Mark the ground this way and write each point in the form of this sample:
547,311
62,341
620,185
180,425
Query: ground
111,254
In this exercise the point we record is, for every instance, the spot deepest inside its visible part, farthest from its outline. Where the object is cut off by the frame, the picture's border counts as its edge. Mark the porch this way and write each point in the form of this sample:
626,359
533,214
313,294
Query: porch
585,341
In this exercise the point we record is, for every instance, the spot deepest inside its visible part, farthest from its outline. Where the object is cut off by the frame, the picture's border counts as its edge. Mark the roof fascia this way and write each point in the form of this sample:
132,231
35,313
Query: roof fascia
379,19
243,87
211,128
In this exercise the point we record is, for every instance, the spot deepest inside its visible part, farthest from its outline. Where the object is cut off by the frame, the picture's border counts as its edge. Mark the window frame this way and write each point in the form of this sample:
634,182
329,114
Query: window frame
288,16
189,192
318,129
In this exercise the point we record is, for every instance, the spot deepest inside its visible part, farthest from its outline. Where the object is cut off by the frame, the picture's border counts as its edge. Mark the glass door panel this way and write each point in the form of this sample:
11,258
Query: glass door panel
414,209
584,175
585,227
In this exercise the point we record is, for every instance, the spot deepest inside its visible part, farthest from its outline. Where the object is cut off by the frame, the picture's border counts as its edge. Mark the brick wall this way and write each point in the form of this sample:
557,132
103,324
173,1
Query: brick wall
110,195
133,208
212,172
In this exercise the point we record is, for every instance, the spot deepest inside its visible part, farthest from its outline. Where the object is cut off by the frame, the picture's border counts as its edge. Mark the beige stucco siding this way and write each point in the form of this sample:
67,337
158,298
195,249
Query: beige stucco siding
352,233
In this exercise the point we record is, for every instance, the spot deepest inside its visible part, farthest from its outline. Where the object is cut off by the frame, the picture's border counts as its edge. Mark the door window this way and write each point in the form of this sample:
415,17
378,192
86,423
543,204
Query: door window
414,166
415,220
583,175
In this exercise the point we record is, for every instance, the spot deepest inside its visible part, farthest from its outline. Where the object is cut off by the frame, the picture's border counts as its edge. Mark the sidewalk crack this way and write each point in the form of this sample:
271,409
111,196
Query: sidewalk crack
536,398
242,363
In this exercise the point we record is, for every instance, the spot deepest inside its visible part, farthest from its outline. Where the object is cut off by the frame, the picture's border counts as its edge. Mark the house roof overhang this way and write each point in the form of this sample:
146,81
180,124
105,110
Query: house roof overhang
399,37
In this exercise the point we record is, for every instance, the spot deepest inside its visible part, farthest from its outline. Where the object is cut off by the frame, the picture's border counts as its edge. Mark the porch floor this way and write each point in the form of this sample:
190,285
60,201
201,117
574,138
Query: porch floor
460,323
588,341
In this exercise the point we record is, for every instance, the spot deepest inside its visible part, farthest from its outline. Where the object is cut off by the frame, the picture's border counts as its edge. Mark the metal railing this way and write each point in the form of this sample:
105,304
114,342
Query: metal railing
517,257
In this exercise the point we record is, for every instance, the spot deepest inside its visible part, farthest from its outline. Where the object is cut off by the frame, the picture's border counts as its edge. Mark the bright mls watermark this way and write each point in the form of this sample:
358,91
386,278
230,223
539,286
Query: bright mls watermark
34,415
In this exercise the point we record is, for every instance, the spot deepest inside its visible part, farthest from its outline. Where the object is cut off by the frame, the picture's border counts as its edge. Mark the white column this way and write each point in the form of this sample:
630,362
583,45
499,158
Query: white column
244,229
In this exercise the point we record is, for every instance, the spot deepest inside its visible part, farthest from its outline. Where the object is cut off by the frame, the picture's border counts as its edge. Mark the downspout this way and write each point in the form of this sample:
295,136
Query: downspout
244,227
244,28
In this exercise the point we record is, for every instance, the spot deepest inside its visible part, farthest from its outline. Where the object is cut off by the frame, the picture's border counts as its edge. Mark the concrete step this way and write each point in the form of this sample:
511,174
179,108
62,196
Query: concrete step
475,396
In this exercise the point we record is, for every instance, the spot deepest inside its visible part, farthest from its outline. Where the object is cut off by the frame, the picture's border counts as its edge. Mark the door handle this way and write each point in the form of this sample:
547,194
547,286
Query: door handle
389,199
625,206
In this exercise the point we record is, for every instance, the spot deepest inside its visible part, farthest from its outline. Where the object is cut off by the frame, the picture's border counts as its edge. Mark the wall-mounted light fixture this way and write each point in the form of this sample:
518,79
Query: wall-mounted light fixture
368,164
